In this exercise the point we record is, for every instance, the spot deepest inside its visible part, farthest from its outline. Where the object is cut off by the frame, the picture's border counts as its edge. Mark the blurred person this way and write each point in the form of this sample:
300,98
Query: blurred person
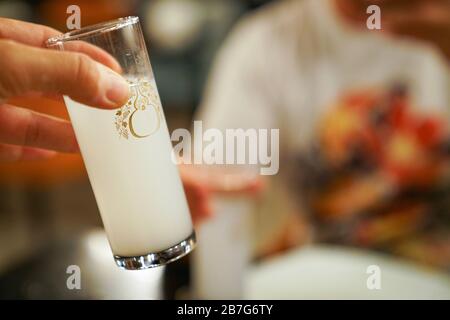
339,93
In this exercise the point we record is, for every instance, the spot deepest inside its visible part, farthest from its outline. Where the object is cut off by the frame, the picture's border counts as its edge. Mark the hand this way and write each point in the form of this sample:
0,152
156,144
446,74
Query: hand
89,76
198,196
201,185
425,20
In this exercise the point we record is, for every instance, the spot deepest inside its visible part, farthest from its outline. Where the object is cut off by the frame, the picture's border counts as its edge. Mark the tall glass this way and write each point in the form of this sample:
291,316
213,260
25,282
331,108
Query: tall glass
127,154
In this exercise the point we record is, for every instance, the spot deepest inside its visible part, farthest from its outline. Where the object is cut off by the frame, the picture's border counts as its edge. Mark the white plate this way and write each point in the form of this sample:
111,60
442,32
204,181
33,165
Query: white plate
333,272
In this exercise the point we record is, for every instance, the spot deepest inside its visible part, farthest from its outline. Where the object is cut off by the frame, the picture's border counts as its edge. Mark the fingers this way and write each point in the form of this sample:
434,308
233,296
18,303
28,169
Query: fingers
426,33
197,194
200,187
38,95
433,13
11,153
403,4
19,126
417,28
397,5
198,199
94,52
26,32
36,35
242,182
429,23
26,68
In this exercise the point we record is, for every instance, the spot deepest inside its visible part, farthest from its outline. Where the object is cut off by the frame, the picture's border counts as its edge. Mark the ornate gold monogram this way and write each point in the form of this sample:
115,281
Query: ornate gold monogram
144,99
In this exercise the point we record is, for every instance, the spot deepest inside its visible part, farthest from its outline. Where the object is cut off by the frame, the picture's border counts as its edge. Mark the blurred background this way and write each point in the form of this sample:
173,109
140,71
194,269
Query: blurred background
364,172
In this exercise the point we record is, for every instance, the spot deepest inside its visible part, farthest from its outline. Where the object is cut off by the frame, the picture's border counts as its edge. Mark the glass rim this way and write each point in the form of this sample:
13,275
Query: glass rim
90,30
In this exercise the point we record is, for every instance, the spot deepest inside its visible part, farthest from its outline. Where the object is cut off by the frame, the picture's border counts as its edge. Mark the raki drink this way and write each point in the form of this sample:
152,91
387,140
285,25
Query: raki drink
127,154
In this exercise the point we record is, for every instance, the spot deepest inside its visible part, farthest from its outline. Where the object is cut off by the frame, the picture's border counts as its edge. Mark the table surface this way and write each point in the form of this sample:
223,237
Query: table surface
44,276
315,272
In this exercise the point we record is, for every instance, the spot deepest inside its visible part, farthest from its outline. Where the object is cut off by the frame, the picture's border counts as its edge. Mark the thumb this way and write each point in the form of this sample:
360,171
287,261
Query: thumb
25,68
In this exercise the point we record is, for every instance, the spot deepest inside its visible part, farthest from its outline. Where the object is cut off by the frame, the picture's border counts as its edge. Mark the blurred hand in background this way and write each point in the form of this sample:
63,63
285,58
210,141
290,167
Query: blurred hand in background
201,184
425,20
89,76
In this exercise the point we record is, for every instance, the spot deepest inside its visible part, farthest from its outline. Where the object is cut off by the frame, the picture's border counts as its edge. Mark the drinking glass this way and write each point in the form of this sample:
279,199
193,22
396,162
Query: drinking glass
127,154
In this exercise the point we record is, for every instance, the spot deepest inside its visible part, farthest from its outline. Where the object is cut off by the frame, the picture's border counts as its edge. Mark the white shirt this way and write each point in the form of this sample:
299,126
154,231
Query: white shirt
282,67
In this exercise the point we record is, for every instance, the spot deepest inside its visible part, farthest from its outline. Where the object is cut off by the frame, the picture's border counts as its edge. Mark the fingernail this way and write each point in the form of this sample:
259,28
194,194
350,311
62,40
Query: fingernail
117,89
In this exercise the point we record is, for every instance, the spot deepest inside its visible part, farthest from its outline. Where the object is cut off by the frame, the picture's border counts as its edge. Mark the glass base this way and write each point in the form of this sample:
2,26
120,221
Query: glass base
157,259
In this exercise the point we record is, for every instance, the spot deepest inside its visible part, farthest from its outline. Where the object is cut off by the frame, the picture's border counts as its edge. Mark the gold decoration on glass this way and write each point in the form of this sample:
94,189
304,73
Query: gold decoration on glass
144,102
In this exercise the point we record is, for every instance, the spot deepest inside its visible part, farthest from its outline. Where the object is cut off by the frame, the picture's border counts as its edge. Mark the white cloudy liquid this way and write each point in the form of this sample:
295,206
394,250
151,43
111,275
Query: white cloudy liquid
137,186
